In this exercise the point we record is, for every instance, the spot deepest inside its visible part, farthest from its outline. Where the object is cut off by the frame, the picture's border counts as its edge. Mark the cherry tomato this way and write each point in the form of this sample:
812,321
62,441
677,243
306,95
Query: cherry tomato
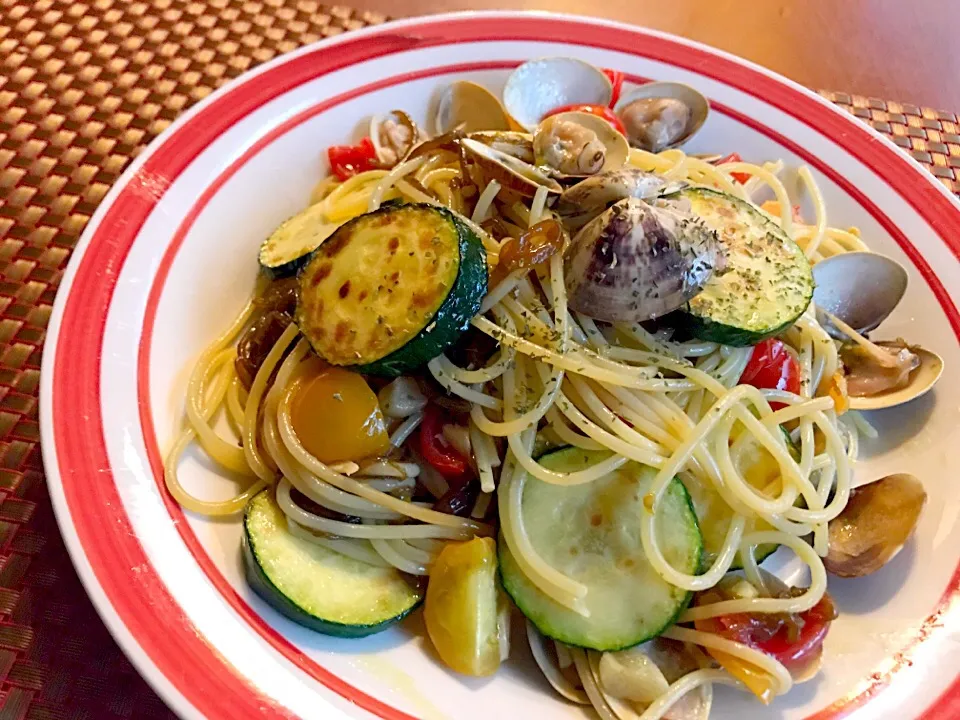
616,81
599,110
772,366
734,157
337,417
348,160
791,641
447,461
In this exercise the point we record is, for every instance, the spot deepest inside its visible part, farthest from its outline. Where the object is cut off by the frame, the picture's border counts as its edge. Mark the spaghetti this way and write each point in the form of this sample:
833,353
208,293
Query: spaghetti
636,394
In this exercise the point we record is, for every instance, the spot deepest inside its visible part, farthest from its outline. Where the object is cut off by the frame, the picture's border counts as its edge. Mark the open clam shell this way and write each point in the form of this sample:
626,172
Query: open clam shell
860,288
922,379
578,144
469,107
512,174
511,142
393,136
539,86
662,115
588,198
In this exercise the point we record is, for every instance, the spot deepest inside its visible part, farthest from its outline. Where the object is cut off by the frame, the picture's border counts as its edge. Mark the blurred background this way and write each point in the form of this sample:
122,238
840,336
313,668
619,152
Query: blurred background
902,49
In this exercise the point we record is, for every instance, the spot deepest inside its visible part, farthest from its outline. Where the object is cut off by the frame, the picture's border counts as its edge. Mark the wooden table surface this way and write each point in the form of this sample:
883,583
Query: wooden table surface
895,49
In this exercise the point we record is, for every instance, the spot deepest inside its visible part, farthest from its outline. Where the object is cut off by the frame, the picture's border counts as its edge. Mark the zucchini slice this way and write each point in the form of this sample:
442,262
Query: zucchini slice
392,289
316,587
767,283
289,246
590,533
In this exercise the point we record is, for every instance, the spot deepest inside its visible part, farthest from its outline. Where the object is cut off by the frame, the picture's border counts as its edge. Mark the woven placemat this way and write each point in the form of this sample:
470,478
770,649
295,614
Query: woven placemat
84,87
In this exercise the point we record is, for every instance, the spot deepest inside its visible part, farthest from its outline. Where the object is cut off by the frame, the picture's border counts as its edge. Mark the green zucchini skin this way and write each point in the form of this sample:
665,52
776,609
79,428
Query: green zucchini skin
766,286
264,586
629,602
289,247
451,320
438,328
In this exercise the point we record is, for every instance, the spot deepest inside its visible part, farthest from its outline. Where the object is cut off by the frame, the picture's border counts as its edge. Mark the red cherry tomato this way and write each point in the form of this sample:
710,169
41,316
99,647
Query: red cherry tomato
348,160
734,157
616,81
772,366
791,643
601,111
446,460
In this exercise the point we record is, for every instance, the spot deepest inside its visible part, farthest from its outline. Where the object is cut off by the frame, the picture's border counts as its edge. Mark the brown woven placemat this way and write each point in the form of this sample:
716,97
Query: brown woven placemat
84,87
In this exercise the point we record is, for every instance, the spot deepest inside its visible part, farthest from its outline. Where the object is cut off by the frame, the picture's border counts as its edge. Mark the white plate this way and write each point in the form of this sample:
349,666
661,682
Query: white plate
169,258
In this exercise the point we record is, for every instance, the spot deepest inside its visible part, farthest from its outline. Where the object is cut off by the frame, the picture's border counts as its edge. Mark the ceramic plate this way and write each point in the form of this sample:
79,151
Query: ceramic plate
169,259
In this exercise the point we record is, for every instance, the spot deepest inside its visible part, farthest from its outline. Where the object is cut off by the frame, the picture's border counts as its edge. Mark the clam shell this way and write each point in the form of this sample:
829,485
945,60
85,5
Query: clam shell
588,198
511,173
616,145
922,379
471,107
860,288
693,99
511,142
539,86
637,261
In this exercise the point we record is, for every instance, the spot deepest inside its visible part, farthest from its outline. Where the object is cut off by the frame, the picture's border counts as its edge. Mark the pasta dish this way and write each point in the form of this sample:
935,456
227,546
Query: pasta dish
545,363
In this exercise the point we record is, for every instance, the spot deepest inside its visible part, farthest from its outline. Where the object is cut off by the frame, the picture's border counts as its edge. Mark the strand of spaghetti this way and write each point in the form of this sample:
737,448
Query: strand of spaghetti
416,194
704,678
819,208
351,530
360,550
683,367
208,508
612,420
551,389
352,184
841,491
591,685
436,175
570,437
388,180
768,508
502,289
564,590
251,414
760,660
235,404
486,374
485,201
388,550
316,489
779,191
799,604
292,443
573,361
484,454
550,671
639,420
439,368
648,534
225,453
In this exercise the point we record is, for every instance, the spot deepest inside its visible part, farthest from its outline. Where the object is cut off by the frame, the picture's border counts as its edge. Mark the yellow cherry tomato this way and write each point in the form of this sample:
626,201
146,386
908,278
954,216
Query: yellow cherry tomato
461,607
337,417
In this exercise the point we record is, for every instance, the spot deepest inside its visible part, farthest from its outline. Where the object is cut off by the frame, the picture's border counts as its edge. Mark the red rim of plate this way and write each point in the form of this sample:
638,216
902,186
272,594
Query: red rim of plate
158,628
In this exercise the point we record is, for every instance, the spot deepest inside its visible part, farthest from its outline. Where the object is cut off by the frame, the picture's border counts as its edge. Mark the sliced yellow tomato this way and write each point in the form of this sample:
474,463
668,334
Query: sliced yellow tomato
760,683
461,607
337,417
